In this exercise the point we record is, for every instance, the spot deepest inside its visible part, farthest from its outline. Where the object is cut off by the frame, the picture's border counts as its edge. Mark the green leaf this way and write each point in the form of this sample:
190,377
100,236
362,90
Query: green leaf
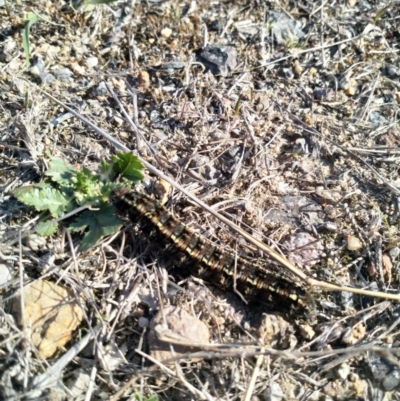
60,171
107,189
140,397
86,186
43,197
382,11
46,228
128,166
31,19
106,172
99,223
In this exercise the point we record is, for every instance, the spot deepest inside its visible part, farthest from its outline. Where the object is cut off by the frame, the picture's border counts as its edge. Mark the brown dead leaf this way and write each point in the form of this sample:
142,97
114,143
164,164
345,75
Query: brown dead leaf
51,313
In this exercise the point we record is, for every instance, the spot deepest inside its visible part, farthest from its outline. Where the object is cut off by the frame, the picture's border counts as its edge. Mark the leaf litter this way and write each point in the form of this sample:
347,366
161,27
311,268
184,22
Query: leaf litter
308,109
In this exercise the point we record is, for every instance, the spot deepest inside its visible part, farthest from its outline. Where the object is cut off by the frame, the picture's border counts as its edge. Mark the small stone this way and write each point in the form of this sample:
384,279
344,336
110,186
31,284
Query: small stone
353,377
322,94
354,334
214,25
331,226
144,79
118,121
47,78
287,73
312,72
92,62
297,68
333,389
183,331
350,91
303,248
100,90
34,70
387,373
166,33
273,392
358,386
219,59
35,242
307,119
64,75
143,322
274,329
353,243
112,355
5,274
174,64
307,331
37,66
343,371
284,29
348,85
394,252
78,382
330,211
218,320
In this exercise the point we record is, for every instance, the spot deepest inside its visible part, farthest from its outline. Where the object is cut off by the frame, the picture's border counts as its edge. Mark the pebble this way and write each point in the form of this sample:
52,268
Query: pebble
5,274
353,243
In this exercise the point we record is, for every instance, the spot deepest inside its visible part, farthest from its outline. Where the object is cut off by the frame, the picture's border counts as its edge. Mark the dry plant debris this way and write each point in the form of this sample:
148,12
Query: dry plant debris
50,313
282,116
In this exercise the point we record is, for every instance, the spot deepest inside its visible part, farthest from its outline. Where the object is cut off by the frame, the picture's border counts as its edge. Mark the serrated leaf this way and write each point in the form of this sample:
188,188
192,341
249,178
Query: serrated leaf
60,172
128,166
86,186
140,397
99,223
47,228
107,189
43,198
106,172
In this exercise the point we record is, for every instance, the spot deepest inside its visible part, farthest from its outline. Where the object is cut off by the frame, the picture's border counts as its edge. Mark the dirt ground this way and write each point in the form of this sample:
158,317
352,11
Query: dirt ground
281,116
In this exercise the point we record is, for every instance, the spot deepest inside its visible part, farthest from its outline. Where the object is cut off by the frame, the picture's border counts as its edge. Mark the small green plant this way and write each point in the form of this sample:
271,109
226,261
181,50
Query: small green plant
31,19
67,188
382,11
140,397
